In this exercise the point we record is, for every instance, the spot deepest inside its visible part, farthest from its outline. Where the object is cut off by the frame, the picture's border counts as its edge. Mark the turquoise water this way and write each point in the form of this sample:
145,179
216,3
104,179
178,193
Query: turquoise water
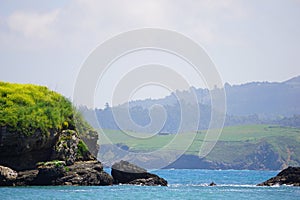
183,184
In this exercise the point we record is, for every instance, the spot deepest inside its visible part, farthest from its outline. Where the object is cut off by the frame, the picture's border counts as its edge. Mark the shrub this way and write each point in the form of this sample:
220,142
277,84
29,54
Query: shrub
27,108
82,148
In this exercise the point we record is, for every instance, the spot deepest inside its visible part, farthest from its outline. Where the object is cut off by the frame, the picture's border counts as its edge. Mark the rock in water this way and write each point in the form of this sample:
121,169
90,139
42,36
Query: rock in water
212,184
288,176
85,173
127,173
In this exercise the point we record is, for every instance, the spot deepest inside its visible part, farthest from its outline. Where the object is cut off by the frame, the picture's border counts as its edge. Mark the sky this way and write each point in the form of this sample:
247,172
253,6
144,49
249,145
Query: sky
47,42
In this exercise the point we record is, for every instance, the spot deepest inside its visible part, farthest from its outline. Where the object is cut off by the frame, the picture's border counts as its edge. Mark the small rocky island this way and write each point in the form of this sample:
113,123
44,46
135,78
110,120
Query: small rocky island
288,176
45,141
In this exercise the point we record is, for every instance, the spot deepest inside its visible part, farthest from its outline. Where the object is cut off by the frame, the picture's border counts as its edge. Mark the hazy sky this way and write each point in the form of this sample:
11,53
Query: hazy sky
46,42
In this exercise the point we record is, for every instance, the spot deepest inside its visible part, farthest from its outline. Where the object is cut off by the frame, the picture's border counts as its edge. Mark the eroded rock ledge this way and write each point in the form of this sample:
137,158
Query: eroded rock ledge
65,161
57,173
288,176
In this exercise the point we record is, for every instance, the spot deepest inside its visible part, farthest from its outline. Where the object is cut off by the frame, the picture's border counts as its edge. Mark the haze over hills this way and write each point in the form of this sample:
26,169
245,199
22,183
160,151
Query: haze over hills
260,122
250,103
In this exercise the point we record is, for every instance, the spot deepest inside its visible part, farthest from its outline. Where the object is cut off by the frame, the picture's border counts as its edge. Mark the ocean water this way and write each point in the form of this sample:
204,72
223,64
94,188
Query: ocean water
183,184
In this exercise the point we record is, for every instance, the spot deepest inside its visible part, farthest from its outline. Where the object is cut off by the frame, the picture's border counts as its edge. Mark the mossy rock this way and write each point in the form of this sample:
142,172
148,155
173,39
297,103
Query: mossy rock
53,163
32,122
83,152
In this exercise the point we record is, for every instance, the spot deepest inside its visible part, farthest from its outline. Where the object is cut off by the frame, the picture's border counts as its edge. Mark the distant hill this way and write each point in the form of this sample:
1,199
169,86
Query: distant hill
265,99
250,103
254,147
268,99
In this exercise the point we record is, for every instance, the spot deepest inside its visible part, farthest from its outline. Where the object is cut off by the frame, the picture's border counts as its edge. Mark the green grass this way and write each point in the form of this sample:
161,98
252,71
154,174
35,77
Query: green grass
256,132
82,148
56,163
144,142
234,143
251,133
27,109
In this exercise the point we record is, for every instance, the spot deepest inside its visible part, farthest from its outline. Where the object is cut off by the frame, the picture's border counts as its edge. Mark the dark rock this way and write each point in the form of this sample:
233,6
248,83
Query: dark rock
80,173
26,177
147,182
21,152
288,176
83,173
127,173
58,159
212,184
49,173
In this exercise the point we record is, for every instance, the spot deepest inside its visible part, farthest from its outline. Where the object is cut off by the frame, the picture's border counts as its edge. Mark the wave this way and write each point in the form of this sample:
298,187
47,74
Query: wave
207,185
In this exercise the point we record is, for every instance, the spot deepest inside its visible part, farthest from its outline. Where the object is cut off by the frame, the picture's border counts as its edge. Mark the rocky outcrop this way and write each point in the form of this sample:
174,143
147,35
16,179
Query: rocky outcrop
288,176
57,173
126,173
62,160
85,173
70,148
22,152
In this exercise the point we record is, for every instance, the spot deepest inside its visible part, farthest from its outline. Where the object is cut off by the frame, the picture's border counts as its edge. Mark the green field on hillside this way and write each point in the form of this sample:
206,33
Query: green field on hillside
249,133
235,143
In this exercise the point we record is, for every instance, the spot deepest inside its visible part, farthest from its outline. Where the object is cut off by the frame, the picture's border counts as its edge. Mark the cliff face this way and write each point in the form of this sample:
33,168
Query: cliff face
22,152
64,159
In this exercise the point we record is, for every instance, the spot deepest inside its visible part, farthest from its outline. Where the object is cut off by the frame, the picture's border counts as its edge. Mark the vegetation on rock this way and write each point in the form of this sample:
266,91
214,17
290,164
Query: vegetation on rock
56,163
41,137
82,149
37,124
27,108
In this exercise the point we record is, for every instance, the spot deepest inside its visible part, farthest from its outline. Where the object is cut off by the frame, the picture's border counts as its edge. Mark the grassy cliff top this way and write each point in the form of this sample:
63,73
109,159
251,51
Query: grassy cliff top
27,108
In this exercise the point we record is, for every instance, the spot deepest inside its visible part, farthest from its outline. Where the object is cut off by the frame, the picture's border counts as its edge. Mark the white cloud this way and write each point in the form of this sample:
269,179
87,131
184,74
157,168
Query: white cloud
87,22
33,25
